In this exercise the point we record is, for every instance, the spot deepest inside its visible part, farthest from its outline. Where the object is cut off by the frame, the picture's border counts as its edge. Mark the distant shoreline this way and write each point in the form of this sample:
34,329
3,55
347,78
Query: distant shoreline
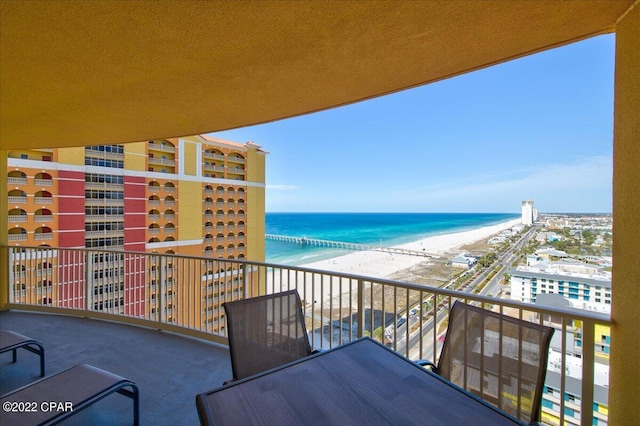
381,264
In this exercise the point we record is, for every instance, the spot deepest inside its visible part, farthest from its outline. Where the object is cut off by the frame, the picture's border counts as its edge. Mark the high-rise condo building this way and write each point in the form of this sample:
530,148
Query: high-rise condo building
527,212
194,196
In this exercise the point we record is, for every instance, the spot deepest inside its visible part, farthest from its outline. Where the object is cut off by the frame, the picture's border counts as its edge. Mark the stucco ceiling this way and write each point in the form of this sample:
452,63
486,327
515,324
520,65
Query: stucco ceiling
86,73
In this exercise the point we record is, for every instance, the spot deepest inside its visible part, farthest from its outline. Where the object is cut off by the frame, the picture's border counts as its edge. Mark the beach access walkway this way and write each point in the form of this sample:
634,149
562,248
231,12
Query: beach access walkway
349,246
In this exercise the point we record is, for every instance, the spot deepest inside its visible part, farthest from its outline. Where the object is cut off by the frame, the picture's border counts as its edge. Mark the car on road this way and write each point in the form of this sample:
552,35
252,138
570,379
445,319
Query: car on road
401,320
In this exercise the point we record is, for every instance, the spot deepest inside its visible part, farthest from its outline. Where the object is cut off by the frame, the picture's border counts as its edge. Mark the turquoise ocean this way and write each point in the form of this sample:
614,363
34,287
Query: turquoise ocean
387,229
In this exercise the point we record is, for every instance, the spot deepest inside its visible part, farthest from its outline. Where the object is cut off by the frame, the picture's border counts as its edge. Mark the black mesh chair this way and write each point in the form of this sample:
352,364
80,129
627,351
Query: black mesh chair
498,358
265,332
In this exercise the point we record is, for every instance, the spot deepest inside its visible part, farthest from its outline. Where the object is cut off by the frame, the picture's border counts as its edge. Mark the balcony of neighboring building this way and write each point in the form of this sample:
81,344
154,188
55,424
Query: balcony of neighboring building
17,196
153,215
16,177
214,154
17,234
161,164
153,200
43,197
18,216
161,146
43,179
154,186
235,158
43,233
169,201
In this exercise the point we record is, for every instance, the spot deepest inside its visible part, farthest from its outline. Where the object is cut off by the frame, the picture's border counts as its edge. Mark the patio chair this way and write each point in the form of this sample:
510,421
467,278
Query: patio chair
496,357
55,398
12,341
265,332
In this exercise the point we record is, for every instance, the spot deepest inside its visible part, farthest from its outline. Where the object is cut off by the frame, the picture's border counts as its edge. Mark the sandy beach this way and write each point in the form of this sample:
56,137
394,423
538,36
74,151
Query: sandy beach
382,265
376,264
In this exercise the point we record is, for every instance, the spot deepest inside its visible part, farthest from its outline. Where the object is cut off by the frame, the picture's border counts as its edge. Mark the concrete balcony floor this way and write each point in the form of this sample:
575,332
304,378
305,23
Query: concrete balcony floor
169,369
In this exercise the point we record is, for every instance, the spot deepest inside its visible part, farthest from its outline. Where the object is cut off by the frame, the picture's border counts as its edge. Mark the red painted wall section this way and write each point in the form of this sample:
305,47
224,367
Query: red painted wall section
71,287
70,209
135,211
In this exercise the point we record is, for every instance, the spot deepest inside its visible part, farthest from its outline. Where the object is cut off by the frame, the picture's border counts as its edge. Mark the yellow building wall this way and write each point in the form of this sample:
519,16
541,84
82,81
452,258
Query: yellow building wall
191,147
135,156
189,206
4,220
73,156
624,398
256,209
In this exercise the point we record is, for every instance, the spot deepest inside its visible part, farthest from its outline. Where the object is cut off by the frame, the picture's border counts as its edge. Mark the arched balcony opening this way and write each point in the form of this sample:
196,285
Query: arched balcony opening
170,252
17,196
169,201
16,177
169,214
231,192
208,190
154,200
169,239
241,192
17,215
43,197
43,233
154,240
169,228
17,234
43,215
43,179
154,186
219,203
154,228
169,187
154,214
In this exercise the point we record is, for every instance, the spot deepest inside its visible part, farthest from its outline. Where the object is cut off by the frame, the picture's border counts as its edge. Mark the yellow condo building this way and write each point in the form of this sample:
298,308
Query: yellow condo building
193,196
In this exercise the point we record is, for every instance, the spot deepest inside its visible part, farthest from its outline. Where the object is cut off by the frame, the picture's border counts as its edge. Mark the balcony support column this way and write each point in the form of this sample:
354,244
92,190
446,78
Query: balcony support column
4,230
624,398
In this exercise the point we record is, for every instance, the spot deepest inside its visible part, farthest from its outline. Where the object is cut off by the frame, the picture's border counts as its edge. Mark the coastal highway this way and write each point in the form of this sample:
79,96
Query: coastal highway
502,264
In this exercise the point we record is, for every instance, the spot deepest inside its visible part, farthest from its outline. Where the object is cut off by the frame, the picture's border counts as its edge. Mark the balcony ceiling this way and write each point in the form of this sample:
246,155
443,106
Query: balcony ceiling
85,73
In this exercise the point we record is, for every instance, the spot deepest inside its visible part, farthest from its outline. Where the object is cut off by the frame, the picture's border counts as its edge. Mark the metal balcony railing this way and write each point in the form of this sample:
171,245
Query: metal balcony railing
409,318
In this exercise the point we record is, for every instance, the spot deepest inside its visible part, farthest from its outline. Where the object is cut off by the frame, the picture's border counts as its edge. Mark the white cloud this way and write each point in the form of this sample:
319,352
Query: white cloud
582,185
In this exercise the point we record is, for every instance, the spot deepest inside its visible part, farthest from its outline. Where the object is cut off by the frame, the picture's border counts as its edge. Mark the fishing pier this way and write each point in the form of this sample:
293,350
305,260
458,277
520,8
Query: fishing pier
347,245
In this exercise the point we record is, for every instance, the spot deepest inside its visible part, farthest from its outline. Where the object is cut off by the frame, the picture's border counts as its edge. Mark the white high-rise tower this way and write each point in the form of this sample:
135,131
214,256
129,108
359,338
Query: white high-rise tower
527,212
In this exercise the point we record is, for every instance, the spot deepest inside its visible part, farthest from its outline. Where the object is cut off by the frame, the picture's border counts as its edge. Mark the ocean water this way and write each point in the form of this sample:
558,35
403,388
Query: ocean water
387,229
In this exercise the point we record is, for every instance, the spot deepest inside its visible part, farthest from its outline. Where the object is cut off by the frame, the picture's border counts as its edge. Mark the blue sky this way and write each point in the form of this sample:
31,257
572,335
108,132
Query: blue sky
539,127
